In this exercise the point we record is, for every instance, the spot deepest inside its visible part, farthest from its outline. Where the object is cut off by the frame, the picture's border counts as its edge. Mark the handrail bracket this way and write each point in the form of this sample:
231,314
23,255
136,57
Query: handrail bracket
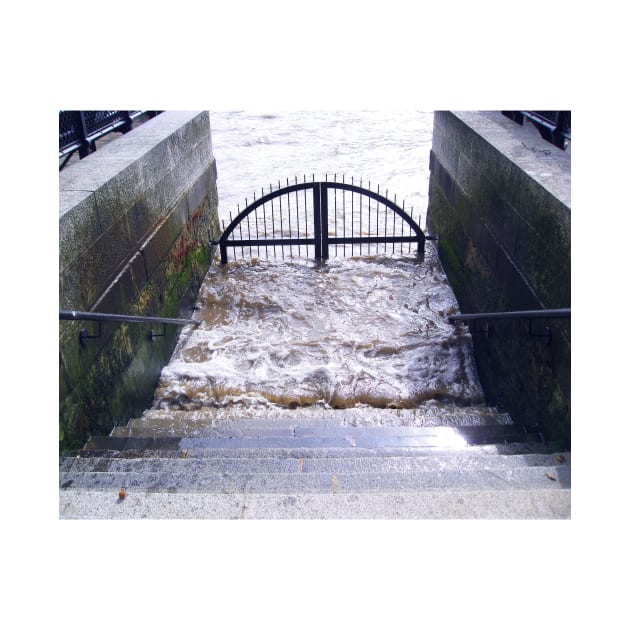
547,334
112,317
84,336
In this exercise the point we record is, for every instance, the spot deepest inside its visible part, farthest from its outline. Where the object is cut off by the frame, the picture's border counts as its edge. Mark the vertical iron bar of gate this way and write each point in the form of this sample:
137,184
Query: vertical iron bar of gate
324,219
378,203
288,216
369,218
343,205
305,219
402,226
305,216
361,232
385,224
394,227
352,232
317,219
297,223
233,249
249,236
240,229
265,226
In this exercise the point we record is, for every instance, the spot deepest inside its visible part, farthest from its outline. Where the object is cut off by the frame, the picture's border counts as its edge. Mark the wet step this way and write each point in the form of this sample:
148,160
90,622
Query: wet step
165,480
259,452
459,460
498,478
158,422
245,436
312,467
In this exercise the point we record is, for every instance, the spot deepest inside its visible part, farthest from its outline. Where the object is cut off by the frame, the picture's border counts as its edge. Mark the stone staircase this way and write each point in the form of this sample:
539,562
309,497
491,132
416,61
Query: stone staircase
439,462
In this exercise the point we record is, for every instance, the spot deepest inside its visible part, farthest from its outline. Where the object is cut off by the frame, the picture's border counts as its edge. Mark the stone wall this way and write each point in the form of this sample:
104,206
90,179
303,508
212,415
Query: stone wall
499,203
136,219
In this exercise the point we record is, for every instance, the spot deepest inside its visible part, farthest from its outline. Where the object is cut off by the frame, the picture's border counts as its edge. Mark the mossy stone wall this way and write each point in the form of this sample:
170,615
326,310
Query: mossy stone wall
499,203
136,219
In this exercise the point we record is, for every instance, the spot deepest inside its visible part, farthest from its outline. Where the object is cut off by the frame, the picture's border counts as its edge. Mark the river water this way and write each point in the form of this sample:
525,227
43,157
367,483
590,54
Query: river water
361,332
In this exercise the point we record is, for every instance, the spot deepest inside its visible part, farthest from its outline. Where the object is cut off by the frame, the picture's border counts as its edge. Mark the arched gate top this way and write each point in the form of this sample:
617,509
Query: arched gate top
333,214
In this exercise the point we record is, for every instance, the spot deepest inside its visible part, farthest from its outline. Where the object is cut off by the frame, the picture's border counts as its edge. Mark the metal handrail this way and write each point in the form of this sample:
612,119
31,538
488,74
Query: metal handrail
553,313
110,317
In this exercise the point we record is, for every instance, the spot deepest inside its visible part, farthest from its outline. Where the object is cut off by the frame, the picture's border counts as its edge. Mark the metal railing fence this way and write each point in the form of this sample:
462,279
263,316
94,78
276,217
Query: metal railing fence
79,130
555,127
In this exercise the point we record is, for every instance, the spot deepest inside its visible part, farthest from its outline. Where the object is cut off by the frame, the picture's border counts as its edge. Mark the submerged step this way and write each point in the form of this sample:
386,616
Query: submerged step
156,422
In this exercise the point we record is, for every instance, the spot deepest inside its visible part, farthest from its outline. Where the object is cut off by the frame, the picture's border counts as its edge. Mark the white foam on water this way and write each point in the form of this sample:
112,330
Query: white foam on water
344,333
286,333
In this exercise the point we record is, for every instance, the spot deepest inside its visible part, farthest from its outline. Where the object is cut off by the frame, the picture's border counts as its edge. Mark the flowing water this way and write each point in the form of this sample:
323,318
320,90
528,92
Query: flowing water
297,335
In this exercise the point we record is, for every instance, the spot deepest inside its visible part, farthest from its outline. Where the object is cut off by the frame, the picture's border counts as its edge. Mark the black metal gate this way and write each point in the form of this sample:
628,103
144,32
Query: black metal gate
320,218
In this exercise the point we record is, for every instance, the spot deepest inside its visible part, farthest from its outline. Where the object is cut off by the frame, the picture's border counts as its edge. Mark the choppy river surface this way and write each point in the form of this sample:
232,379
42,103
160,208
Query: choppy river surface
355,332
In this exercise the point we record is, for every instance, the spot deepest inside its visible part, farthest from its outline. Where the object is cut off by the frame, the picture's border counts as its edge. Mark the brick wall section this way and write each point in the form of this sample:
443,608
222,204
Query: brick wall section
135,223
499,202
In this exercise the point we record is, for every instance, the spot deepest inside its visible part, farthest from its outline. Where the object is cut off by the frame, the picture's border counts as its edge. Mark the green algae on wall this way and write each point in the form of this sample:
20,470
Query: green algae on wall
119,381
137,222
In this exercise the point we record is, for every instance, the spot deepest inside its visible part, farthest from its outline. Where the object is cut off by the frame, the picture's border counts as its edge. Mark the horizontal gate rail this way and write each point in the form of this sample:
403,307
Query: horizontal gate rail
270,242
357,240
324,221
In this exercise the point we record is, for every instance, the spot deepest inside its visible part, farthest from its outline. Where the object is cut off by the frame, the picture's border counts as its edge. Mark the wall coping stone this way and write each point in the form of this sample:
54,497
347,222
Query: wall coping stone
547,164
95,170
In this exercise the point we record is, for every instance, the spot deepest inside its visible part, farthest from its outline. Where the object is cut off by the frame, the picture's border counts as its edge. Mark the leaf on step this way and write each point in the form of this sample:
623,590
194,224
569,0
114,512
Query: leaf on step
550,477
561,459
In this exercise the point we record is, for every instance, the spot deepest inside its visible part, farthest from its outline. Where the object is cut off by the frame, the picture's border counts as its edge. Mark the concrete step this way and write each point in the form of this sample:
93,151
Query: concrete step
458,460
500,478
258,452
332,466
538,503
